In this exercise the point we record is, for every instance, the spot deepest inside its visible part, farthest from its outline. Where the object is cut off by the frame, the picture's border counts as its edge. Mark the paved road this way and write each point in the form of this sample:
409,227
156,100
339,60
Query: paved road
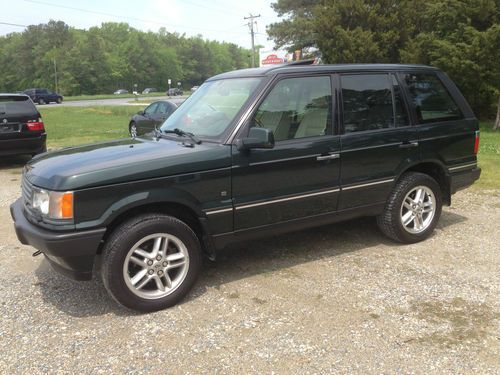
117,101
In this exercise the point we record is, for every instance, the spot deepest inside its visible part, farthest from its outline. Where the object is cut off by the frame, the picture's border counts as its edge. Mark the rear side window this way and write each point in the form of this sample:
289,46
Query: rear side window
432,101
367,102
17,105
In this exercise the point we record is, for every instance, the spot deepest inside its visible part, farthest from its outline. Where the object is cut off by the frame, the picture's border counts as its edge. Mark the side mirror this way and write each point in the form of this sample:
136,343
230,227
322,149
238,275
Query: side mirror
257,138
141,113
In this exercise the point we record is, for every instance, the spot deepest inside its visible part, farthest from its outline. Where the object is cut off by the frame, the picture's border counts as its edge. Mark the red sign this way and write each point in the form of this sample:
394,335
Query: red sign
272,59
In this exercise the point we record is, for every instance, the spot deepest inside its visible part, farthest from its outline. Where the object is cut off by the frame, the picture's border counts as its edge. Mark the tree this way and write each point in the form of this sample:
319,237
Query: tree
462,37
114,55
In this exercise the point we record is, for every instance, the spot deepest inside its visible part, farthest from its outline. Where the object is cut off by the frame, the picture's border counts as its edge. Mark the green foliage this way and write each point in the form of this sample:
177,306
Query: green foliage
462,37
103,59
71,126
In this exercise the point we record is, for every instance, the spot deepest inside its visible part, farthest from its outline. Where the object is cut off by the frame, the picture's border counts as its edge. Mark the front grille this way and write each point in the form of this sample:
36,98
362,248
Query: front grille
27,194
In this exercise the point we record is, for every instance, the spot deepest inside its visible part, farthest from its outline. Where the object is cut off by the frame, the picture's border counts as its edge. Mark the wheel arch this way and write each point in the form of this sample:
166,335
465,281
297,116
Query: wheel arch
182,209
437,171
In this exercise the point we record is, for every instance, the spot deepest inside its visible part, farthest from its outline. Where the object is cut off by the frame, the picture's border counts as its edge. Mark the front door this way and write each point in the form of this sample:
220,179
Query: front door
146,122
377,141
299,177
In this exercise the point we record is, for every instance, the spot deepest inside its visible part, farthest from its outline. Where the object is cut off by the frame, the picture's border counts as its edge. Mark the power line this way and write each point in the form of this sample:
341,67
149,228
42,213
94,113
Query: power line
122,17
12,24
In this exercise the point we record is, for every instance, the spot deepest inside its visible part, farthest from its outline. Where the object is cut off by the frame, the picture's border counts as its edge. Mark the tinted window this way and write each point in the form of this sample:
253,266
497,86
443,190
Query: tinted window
17,105
164,109
367,102
297,108
431,99
151,109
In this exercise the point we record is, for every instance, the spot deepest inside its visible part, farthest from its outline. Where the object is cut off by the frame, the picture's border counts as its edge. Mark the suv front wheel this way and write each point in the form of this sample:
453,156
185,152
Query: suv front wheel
151,262
413,209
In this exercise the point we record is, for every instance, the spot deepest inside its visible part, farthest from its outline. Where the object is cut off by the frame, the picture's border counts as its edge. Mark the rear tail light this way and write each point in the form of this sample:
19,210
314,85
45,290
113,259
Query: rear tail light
35,125
476,143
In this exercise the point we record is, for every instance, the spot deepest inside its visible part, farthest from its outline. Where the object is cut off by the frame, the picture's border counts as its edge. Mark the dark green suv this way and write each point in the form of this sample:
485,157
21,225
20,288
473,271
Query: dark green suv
251,153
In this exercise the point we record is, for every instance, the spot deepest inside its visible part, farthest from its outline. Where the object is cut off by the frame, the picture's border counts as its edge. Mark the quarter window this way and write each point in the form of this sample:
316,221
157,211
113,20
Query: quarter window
431,99
297,108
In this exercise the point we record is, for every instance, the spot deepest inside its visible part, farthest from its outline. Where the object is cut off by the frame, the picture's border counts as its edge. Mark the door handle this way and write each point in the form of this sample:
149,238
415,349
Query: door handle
330,156
409,144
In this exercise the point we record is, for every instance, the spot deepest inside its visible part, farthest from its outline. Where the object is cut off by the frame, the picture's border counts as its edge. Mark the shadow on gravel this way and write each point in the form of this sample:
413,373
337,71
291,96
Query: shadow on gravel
16,163
262,256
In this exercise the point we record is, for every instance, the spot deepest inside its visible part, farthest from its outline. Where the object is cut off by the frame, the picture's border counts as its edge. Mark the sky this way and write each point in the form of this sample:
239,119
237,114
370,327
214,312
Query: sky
220,20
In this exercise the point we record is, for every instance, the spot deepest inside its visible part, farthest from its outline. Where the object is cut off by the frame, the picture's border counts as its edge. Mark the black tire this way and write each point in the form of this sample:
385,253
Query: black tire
41,101
59,100
121,241
44,149
390,221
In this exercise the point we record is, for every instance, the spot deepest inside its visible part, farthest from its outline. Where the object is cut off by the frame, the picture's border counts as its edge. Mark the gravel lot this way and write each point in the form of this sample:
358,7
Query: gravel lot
337,299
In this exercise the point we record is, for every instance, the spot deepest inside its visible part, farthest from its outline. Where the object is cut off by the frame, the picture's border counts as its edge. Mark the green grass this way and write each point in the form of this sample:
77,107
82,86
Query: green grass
69,126
110,96
489,158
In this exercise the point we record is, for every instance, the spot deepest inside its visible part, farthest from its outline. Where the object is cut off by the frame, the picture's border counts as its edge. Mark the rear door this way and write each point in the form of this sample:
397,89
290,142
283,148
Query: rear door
447,127
377,141
299,177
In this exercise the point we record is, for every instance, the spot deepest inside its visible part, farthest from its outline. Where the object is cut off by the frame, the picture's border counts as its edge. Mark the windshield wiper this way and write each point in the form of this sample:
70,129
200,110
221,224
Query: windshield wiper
180,133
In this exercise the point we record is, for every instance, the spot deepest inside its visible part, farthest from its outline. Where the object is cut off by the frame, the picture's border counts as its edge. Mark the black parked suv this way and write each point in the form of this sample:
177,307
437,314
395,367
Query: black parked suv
43,96
252,153
21,127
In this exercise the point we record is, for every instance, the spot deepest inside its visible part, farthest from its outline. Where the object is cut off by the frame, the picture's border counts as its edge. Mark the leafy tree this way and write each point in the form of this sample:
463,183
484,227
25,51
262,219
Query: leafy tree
114,55
462,37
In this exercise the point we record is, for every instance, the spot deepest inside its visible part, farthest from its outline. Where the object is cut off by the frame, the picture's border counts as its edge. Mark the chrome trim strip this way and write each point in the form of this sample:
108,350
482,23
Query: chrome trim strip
446,136
286,199
284,159
368,184
218,211
372,147
463,166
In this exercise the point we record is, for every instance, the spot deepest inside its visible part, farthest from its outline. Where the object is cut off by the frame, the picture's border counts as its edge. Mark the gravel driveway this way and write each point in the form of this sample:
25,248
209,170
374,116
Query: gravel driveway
336,299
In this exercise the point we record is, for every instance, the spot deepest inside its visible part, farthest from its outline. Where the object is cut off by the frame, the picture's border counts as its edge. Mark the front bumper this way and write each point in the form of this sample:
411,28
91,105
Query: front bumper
462,180
70,253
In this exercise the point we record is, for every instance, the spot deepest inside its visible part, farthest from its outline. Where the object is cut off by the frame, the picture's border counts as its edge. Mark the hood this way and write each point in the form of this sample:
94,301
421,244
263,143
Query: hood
122,160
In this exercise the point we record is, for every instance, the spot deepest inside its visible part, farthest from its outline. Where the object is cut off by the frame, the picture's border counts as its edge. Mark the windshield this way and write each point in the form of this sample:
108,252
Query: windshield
209,111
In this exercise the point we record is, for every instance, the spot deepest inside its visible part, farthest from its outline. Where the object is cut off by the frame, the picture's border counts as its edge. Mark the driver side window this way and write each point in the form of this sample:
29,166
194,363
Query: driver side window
297,108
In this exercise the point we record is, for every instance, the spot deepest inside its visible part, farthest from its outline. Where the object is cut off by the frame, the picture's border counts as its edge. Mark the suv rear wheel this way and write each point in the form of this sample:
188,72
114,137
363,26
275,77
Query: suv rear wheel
151,262
412,210
41,101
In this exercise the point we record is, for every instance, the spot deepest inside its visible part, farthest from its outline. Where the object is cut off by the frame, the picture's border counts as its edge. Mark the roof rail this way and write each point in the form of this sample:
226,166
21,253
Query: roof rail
302,62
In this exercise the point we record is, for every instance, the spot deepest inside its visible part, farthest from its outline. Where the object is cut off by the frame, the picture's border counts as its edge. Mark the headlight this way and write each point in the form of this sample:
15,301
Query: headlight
53,204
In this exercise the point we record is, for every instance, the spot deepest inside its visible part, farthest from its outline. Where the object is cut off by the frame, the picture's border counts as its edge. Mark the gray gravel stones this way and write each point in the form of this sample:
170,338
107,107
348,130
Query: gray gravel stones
336,299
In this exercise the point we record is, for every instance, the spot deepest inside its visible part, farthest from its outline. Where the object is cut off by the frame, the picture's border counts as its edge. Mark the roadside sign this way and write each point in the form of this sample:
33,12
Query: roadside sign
169,81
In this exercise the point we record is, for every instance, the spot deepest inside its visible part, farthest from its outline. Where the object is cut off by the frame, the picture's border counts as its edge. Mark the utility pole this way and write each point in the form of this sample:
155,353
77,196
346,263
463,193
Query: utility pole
55,75
252,33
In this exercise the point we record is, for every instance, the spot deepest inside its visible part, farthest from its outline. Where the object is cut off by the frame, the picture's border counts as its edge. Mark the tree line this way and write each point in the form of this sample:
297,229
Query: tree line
462,37
113,56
